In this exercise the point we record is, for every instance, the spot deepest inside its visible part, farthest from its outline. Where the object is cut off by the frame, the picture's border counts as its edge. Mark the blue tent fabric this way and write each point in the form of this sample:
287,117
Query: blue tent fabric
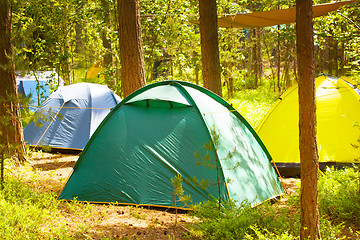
70,116
37,91
37,86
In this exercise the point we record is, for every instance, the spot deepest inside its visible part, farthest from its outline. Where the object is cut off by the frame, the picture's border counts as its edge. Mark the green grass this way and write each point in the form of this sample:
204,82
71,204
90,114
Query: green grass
30,211
26,214
253,104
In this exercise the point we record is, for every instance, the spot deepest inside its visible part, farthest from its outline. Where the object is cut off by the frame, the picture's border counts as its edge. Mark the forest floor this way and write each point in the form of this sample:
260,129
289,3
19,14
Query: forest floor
107,220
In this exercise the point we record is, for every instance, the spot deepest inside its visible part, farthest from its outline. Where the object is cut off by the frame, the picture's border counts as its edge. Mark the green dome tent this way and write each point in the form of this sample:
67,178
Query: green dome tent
338,109
159,132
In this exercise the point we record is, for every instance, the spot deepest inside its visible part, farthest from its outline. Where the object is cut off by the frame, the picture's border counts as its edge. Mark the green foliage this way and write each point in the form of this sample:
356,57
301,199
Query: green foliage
241,222
339,205
254,104
339,202
136,212
79,208
25,214
338,31
339,195
178,193
214,163
168,35
356,145
266,235
67,35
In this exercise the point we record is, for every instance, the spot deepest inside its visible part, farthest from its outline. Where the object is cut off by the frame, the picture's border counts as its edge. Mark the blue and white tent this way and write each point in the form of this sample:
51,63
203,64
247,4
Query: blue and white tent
36,86
72,113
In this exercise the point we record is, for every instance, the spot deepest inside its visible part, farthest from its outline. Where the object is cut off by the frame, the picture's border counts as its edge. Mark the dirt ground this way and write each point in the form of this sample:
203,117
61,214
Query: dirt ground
114,222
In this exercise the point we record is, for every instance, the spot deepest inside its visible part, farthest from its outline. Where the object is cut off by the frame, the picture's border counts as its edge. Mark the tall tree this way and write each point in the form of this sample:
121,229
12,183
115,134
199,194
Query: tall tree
79,45
131,52
309,162
256,57
210,46
11,139
108,58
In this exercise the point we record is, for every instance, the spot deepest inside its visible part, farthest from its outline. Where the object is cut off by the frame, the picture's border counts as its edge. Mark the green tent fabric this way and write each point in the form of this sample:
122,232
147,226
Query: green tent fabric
154,134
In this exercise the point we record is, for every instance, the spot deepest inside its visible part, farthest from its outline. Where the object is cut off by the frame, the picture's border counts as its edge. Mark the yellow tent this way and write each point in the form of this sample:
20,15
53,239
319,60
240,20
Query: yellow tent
338,109
95,71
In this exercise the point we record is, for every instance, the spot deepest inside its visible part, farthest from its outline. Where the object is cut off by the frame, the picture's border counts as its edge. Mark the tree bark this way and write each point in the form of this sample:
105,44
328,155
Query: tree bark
210,46
79,45
11,138
256,56
131,52
106,42
309,162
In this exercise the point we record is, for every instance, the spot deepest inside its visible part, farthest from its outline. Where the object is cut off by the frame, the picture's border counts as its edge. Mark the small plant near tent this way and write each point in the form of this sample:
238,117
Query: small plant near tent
178,195
213,163
79,208
136,213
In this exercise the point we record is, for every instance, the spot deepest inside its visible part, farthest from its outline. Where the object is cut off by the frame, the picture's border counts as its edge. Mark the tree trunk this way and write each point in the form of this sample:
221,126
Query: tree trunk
278,54
309,162
131,52
108,59
210,46
287,56
256,57
79,46
196,76
334,56
342,58
11,138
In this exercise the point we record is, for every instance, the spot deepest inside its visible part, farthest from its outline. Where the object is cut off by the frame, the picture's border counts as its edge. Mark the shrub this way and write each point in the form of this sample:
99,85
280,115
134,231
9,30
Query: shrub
339,195
240,222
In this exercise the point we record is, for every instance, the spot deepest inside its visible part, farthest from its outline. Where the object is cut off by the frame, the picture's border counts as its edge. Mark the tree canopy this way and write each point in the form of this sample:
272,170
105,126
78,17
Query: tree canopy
71,36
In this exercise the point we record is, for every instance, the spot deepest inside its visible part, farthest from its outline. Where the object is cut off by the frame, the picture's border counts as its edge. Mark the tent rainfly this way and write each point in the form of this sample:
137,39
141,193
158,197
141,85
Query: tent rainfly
72,113
160,131
274,17
338,109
